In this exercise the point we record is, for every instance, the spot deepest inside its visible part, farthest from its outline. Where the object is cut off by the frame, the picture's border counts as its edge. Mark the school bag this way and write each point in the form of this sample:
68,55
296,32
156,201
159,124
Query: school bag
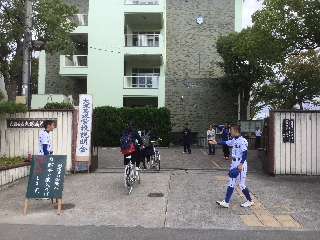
146,139
126,143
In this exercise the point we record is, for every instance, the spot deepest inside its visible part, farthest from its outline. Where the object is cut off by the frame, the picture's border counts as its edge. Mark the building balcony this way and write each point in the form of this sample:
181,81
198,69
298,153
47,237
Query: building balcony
144,44
142,40
76,65
141,2
141,82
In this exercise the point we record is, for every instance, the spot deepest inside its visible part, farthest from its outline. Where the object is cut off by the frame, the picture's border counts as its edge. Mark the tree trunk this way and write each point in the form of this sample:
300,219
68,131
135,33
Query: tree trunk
11,84
244,104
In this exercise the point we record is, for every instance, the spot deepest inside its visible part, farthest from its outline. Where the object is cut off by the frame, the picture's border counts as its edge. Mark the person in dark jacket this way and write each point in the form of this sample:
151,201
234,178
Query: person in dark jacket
225,137
186,133
136,156
148,151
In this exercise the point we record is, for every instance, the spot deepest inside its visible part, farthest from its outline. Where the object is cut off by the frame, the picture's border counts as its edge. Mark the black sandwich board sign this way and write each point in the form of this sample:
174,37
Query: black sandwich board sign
46,177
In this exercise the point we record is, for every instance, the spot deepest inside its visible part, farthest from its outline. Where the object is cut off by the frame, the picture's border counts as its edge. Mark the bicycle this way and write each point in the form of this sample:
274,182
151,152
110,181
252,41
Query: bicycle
131,175
155,159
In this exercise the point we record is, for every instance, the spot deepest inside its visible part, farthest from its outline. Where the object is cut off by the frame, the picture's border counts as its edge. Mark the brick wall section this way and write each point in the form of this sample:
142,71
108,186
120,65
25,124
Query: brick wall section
191,63
82,5
271,143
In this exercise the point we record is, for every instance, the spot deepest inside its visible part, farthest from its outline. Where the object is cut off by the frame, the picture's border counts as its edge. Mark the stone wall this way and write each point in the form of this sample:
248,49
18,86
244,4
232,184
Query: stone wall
82,5
193,94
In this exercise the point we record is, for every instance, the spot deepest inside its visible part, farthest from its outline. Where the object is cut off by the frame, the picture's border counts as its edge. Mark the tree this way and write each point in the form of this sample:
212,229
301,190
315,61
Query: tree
281,29
239,74
50,25
299,82
35,74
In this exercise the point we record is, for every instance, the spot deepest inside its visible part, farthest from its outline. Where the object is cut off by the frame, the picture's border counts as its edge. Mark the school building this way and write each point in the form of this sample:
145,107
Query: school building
159,53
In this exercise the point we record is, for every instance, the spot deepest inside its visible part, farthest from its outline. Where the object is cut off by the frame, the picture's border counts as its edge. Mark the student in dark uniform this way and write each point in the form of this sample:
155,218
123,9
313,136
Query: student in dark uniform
225,137
186,133
136,155
148,151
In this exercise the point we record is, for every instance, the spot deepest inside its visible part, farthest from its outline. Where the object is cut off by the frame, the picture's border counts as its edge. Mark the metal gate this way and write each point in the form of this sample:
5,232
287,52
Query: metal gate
94,144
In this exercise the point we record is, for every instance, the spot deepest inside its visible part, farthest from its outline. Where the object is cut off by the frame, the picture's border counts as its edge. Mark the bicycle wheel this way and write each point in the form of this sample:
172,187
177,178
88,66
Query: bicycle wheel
138,177
157,161
127,182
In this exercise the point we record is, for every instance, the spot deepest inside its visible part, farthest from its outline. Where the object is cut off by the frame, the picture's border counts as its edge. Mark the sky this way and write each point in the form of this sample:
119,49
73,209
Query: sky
248,8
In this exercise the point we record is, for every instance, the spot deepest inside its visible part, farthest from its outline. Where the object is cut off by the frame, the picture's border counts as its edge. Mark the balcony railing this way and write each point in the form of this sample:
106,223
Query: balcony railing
141,82
142,40
80,19
76,61
142,2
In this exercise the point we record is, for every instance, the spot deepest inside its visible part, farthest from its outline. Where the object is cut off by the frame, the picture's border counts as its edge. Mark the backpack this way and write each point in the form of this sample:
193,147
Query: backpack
146,139
126,143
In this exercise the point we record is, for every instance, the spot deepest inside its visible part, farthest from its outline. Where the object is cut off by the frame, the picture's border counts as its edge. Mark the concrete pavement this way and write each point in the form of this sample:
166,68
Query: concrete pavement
187,187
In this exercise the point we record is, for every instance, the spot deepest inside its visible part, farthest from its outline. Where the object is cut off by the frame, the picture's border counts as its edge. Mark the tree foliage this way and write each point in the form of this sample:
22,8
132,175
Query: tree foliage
35,74
280,29
299,82
239,74
50,25
283,35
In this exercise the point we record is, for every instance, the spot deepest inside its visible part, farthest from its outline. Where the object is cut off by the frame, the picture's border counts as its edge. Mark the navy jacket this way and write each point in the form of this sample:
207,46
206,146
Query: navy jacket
225,132
188,135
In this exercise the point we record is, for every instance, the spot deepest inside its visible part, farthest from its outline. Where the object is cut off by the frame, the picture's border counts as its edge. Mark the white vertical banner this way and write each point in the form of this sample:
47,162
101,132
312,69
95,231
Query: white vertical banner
84,128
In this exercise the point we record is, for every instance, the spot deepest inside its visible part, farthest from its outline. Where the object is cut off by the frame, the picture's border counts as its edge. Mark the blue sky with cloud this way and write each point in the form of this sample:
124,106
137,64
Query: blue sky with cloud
248,8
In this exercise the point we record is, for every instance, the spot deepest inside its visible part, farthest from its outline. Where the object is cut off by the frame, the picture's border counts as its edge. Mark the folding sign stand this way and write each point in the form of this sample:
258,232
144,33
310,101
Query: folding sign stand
80,160
46,179
58,200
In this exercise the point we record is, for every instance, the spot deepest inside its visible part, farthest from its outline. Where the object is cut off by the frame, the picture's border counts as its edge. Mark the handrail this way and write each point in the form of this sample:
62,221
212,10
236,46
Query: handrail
141,2
76,61
145,81
142,40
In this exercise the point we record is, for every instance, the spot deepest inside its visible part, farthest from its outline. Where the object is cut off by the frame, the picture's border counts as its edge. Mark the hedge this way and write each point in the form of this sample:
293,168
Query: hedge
112,121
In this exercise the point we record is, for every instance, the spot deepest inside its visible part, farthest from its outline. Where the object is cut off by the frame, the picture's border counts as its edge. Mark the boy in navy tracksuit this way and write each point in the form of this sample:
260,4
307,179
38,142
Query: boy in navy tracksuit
225,137
186,132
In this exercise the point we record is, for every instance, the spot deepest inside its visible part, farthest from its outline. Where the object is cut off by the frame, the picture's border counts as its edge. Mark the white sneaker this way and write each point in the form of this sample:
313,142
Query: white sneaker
223,204
247,203
184,152
138,169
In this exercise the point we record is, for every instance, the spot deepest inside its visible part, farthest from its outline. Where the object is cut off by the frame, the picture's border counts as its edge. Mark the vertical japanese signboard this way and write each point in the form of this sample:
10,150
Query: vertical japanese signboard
288,130
46,176
84,128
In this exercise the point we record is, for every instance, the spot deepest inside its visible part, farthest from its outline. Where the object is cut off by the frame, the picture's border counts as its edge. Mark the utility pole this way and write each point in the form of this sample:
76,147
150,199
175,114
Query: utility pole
27,45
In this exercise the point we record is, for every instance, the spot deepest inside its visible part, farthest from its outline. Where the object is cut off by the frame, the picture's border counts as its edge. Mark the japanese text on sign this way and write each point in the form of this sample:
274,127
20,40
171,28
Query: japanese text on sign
46,176
288,130
84,126
24,123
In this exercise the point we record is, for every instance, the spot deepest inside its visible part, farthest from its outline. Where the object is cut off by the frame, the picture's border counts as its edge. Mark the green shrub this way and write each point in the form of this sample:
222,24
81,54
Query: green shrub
4,161
112,121
11,107
56,105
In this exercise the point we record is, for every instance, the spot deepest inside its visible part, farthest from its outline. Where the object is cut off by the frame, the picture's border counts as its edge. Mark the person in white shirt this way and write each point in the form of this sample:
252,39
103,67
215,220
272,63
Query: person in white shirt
258,137
211,135
45,147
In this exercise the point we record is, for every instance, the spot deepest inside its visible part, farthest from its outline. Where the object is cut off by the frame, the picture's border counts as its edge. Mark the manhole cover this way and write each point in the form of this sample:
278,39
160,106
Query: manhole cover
65,206
155,195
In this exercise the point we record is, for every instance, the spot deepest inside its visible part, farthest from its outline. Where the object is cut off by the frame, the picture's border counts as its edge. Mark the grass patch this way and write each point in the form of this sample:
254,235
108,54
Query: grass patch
4,161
